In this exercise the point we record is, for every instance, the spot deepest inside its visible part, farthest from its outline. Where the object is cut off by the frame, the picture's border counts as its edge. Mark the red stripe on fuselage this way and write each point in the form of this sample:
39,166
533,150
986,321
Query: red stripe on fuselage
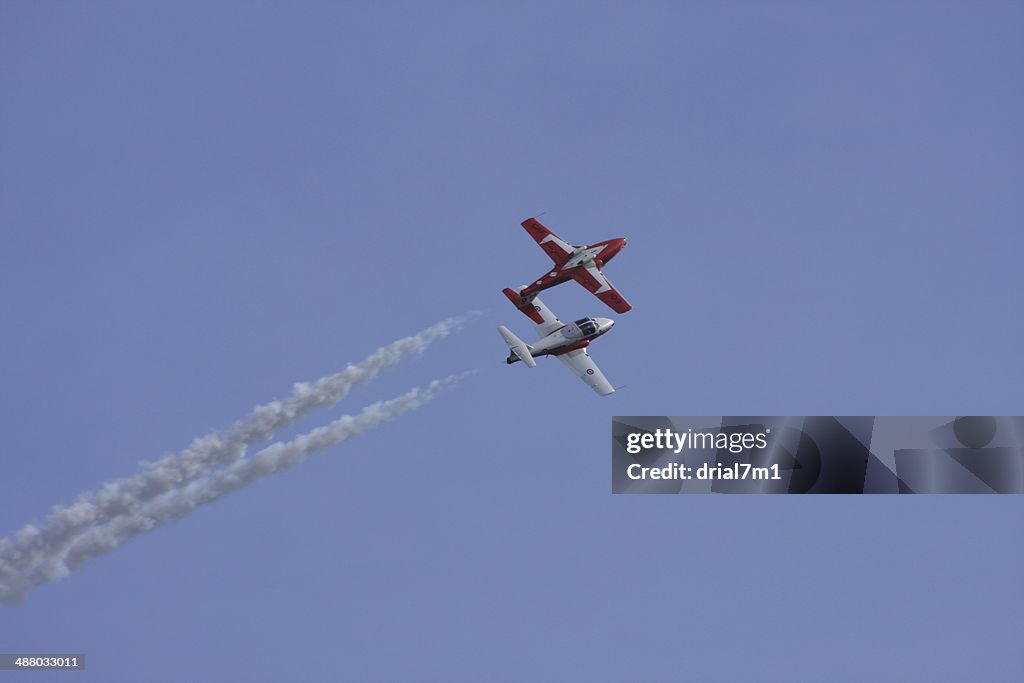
571,347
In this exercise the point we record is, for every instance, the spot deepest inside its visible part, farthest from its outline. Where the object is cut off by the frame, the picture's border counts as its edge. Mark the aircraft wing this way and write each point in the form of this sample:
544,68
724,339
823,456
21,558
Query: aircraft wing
584,367
554,246
591,277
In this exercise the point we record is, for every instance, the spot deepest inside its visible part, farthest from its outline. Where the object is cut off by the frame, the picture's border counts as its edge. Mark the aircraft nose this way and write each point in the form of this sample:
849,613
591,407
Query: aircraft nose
605,324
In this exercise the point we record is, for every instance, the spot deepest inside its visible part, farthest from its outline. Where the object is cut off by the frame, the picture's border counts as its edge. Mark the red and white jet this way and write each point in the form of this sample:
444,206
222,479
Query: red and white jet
574,262
568,343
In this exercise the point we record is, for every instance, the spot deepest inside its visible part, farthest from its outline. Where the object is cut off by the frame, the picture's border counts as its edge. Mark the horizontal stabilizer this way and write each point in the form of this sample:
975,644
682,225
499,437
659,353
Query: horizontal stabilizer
520,349
524,305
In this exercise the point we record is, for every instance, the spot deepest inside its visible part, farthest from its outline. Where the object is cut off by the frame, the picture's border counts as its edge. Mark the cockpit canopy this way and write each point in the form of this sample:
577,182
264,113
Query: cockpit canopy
587,326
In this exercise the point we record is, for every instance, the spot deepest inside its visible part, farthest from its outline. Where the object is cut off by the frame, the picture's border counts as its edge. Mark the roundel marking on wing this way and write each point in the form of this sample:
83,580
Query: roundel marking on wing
590,371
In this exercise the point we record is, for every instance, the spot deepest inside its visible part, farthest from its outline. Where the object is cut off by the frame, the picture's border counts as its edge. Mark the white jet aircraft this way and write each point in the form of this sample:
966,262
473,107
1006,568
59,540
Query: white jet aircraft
566,342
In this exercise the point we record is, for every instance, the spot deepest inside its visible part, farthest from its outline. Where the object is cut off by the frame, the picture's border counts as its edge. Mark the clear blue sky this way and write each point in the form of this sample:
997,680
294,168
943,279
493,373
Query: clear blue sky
203,203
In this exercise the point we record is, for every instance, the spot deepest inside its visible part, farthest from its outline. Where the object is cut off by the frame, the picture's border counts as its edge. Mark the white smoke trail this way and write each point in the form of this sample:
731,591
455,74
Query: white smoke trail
126,495
99,540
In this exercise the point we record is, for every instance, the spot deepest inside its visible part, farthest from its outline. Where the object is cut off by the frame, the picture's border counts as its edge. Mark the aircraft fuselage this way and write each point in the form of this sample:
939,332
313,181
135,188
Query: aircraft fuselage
595,254
568,338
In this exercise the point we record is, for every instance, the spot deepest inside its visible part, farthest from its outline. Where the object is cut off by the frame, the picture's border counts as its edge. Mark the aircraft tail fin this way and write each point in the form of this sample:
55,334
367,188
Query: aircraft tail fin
520,350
